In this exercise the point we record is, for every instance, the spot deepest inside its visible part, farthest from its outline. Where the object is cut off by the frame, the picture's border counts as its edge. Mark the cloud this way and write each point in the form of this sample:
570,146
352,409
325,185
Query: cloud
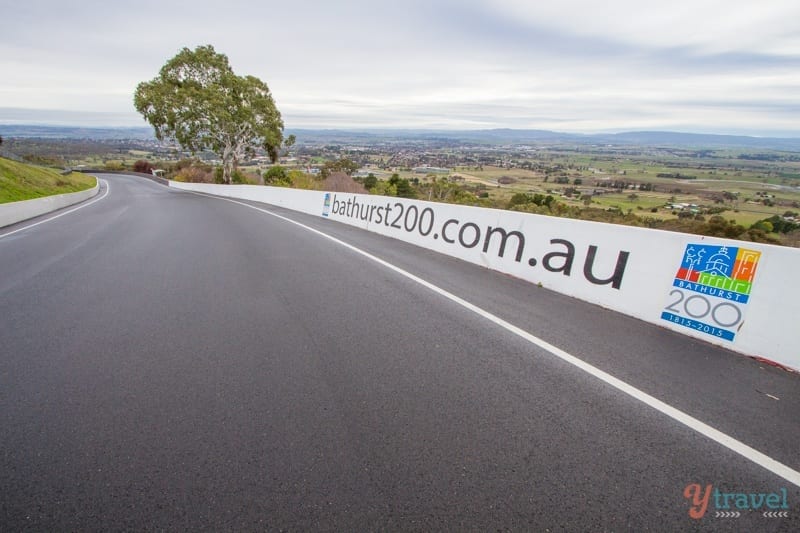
568,65
709,26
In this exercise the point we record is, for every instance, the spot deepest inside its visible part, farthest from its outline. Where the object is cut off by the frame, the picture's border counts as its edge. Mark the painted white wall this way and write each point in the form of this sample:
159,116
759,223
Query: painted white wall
13,212
765,326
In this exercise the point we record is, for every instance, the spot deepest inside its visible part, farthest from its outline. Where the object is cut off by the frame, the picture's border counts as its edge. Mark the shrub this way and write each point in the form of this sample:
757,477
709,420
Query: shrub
301,180
277,176
238,177
194,175
370,181
143,166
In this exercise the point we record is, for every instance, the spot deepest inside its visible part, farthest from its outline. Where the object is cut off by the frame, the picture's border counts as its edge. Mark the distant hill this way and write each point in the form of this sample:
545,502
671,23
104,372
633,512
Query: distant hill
70,132
512,136
490,136
668,138
495,136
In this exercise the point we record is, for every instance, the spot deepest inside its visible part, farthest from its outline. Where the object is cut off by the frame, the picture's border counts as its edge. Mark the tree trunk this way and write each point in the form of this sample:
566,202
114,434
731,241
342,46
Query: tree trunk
227,171
227,163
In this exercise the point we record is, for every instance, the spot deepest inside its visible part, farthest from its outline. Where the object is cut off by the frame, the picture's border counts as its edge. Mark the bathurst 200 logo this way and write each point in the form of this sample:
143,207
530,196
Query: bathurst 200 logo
711,289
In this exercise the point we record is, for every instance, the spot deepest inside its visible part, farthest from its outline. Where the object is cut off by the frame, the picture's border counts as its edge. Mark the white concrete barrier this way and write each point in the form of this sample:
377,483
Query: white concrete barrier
735,294
13,212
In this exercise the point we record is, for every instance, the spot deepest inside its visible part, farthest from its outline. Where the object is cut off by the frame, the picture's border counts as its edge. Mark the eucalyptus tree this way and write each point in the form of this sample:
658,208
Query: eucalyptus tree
198,101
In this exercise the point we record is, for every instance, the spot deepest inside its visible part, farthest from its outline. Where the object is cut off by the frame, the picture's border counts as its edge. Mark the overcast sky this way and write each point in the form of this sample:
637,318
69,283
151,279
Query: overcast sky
727,66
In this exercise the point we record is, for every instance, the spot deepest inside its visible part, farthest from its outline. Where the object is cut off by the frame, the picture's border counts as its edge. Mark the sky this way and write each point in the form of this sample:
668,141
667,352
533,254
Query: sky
704,66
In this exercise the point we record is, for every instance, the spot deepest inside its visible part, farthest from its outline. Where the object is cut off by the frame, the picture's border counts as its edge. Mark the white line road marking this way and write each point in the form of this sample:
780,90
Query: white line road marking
751,454
108,189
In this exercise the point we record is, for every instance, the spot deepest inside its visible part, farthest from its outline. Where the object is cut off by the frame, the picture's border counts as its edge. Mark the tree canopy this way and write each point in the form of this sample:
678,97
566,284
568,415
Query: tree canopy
199,101
340,165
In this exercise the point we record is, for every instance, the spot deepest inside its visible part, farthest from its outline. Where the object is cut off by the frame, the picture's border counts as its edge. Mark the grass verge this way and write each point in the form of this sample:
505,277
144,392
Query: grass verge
19,181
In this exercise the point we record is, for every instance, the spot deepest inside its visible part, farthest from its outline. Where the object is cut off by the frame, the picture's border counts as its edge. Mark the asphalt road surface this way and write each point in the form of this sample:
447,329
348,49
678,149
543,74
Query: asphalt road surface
173,361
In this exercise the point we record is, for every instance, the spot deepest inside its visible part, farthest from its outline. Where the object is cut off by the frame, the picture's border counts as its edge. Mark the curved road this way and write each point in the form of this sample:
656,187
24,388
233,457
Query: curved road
175,361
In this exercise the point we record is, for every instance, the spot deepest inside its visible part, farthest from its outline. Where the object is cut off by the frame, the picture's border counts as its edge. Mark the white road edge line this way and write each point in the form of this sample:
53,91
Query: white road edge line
108,189
777,468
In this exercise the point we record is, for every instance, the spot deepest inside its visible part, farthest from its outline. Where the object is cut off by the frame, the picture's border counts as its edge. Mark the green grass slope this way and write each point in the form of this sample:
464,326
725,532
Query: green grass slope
19,181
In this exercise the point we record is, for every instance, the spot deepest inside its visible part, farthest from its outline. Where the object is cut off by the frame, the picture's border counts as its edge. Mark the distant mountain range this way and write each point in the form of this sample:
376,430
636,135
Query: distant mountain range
71,132
492,136
512,136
